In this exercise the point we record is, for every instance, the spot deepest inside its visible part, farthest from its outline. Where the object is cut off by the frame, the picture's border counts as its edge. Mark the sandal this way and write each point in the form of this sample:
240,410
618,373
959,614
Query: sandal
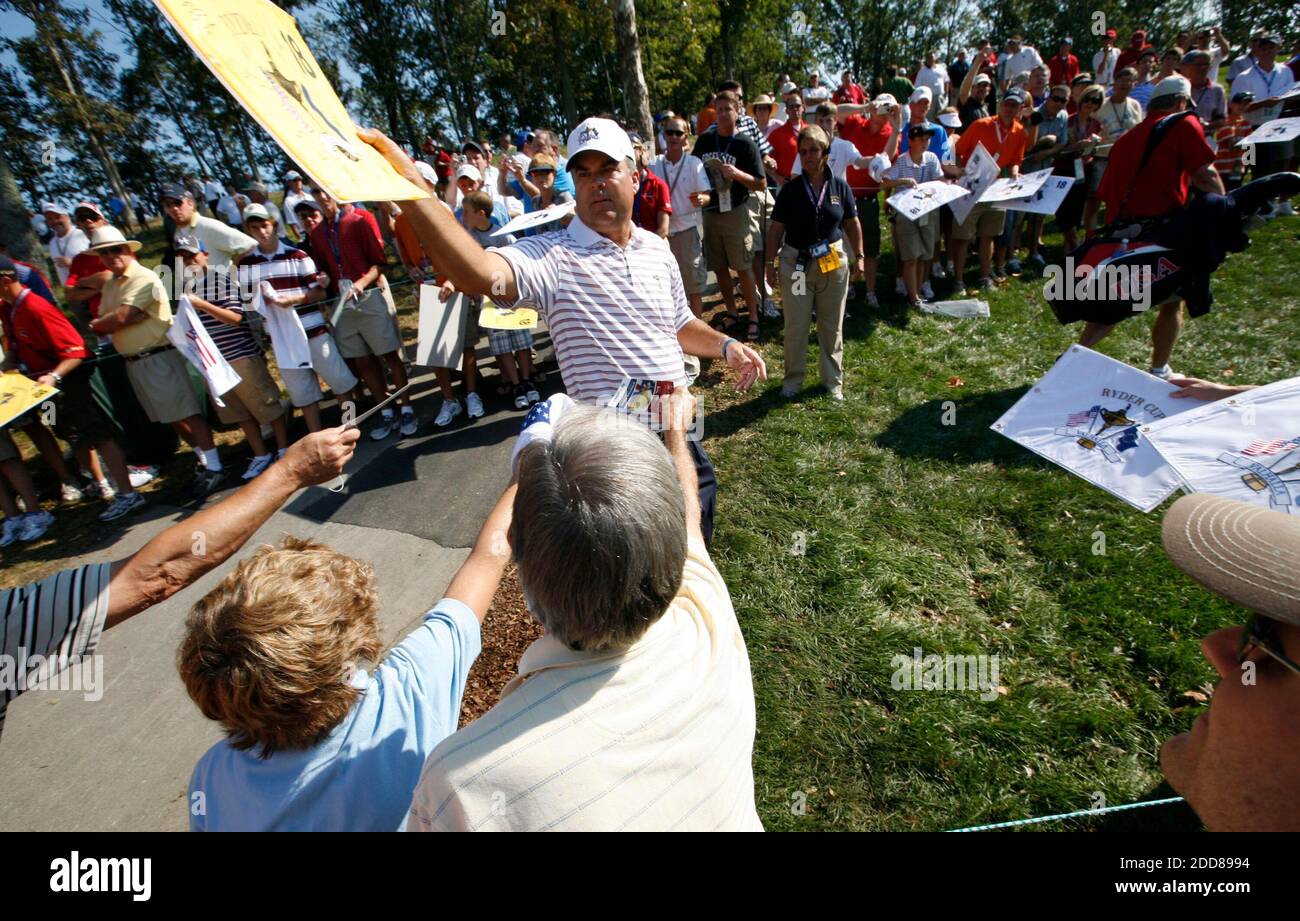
725,322
752,333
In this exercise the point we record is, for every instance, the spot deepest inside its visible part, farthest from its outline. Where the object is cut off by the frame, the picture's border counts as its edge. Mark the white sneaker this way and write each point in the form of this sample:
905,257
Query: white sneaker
899,287
34,525
450,410
12,526
937,272
122,505
872,300
532,394
70,492
1164,373
141,476
409,423
770,309
1285,209
927,293
474,405
387,422
258,465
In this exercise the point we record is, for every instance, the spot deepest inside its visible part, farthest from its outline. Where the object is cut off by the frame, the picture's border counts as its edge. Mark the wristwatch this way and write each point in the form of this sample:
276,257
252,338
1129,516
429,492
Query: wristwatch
58,378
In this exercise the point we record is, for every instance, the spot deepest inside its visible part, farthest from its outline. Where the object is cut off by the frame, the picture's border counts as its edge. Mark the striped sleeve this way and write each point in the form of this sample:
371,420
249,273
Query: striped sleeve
536,267
49,625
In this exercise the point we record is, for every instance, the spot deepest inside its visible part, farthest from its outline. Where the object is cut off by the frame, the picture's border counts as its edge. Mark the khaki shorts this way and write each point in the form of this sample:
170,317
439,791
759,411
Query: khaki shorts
760,205
255,396
983,221
8,450
688,249
326,361
727,240
161,382
916,238
369,329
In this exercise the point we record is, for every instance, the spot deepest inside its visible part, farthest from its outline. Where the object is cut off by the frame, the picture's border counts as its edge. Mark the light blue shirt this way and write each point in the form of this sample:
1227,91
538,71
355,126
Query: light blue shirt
362,776
940,146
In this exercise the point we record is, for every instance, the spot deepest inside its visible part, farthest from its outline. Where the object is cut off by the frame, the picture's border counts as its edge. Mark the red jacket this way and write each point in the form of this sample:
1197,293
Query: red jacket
39,334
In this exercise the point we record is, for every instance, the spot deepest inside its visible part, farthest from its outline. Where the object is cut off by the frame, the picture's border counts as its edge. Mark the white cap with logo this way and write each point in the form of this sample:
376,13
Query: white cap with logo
603,135
468,170
254,210
1173,85
921,93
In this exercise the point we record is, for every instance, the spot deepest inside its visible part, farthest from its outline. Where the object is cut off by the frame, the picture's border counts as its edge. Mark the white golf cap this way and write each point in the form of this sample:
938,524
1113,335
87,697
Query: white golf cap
293,174
603,135
885,101
468,170
876,168
983,78
254,210
428,172
921,93
950,120
53,206
1173,85
788,87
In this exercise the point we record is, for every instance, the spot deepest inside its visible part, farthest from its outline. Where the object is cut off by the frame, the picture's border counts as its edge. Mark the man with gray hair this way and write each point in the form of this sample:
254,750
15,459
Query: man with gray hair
635,710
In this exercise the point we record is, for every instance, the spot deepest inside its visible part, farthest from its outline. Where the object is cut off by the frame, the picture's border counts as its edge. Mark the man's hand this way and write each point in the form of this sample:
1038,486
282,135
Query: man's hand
47,380
395,156
320,456
677,411
748,363
1196,389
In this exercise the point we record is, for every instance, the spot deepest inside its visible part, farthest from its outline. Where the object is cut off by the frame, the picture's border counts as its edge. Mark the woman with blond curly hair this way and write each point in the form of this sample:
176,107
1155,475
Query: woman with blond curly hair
314,741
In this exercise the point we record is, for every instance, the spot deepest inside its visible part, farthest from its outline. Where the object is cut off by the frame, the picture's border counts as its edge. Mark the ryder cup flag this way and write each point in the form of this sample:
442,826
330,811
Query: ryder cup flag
189,336
1086,414
1246,447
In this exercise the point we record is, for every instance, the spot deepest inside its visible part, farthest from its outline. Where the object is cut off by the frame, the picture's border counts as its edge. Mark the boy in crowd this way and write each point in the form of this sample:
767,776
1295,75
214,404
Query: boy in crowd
255,400
297,286
1228,159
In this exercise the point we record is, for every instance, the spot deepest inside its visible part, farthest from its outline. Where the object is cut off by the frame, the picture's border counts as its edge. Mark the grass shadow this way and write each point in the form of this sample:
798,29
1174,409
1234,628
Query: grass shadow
957,429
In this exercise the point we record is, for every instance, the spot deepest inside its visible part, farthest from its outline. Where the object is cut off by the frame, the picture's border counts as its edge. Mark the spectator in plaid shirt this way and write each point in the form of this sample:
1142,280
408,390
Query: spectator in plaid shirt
300,287
1227,154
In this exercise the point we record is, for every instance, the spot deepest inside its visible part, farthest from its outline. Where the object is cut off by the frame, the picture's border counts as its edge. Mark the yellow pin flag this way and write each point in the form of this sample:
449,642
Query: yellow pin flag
255,49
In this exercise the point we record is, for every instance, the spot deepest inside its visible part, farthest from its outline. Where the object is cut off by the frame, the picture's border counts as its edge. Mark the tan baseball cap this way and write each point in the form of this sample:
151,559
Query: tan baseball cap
1245,553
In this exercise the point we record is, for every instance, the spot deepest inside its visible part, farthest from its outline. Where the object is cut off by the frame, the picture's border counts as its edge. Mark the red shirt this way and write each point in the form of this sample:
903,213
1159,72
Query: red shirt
652,199
83,264
785,146
39,334
1162,187
1063,70
854,94
1128,57
856,128
351,241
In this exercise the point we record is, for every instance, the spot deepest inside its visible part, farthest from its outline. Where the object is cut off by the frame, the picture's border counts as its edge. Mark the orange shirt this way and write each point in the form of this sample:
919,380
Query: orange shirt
704,118
1007,147
408,244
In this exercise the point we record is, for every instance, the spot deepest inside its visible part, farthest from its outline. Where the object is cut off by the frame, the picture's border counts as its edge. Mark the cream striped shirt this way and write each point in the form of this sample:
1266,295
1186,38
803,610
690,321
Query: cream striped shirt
657,736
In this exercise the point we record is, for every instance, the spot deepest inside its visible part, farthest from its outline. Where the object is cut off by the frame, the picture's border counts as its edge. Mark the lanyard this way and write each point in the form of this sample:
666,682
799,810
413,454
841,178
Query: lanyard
1268,78
332,238
671,176
817,202
1116,110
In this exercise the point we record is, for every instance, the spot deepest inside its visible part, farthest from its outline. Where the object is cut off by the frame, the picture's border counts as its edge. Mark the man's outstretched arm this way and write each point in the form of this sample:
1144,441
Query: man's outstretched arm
472,269
189,548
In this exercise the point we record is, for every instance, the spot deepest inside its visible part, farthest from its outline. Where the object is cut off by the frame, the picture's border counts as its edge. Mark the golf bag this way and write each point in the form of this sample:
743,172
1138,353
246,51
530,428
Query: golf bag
1135,265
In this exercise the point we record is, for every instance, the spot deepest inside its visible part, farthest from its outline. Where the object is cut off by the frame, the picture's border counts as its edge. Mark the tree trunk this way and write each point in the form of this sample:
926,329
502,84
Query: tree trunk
567,104
248,147
635,95
15,224
72,82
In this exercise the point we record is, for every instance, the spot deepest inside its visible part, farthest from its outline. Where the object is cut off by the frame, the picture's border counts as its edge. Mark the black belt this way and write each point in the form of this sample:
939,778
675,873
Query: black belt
317,331
147,352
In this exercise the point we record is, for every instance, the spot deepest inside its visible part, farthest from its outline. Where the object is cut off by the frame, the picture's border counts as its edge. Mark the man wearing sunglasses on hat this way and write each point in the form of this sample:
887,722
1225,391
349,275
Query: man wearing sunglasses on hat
1239,764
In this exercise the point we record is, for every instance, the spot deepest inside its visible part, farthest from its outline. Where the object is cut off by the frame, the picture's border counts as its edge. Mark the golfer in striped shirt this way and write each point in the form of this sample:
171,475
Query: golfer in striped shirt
611,292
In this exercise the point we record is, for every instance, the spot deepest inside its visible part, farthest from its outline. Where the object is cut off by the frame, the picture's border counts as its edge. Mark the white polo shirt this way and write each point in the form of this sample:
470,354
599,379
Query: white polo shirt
657,736
684,178
1265,85
613,311
224,243
68,246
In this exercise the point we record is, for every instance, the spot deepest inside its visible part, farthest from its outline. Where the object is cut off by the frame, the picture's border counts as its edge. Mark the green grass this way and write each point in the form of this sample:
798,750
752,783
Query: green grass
956,540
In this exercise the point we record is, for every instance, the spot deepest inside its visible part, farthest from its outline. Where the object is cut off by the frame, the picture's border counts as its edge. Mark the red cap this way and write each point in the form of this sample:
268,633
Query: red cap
1110,33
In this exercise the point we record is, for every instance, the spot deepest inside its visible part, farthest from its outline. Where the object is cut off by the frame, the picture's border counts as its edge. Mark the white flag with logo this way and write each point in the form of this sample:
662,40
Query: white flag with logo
1246,447
1086,414
981,172
189,336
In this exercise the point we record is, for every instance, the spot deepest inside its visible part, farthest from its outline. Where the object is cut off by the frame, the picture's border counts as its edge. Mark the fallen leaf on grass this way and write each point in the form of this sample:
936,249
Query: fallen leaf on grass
956,381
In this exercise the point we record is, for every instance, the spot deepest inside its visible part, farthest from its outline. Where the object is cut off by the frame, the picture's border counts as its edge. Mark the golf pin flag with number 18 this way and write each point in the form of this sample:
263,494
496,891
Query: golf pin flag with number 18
1086,414
255,49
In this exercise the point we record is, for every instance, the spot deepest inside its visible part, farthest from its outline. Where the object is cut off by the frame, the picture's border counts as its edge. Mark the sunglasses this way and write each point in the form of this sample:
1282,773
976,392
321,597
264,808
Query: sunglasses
115,251
674,134
1261,633
1063,100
